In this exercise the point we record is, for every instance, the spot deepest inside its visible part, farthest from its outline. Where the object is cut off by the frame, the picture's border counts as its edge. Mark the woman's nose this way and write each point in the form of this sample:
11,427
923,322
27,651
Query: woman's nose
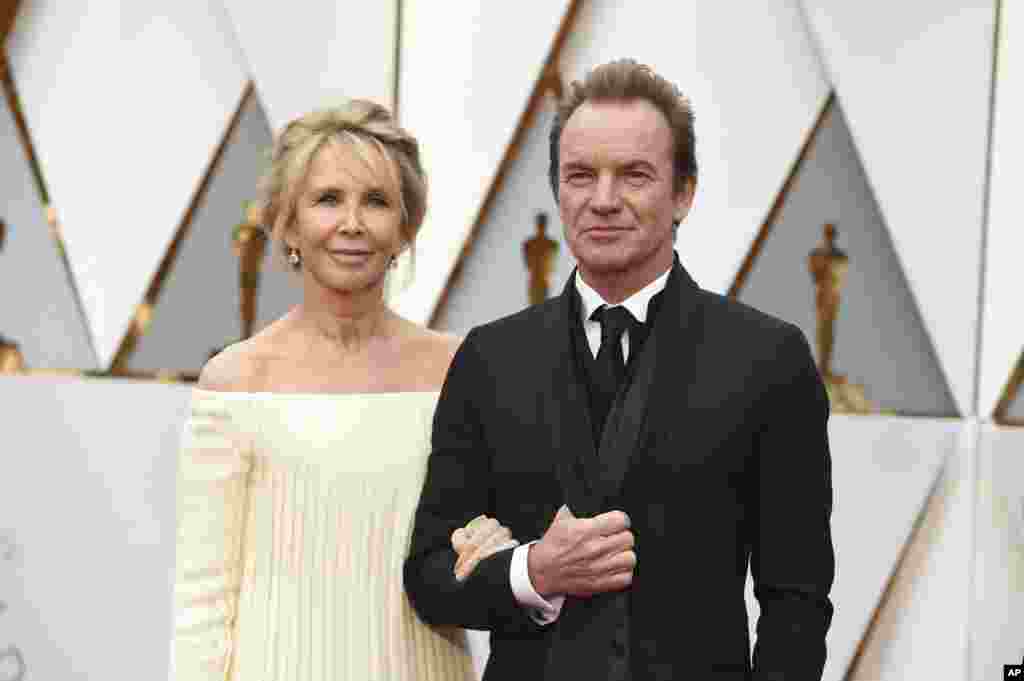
348,220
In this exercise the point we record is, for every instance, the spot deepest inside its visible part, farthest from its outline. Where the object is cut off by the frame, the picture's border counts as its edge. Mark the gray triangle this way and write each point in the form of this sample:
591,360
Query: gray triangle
881,342
41,313
197,311
1015,410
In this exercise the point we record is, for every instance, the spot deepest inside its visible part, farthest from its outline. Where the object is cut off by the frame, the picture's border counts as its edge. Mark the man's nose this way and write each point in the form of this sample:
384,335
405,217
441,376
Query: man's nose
606,197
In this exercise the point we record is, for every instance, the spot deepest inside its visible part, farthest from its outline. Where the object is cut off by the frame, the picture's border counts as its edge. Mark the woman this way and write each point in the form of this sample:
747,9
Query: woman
306,444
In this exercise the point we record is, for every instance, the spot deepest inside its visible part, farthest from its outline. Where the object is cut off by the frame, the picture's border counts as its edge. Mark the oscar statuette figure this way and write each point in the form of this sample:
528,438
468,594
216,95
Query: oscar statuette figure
249,241
539,252
828,265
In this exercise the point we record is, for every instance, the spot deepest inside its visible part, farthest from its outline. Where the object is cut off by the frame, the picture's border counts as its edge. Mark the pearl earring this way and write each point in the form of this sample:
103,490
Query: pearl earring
294,257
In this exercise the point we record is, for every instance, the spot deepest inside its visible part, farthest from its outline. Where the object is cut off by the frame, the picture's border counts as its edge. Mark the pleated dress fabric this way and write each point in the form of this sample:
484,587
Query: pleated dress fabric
294,517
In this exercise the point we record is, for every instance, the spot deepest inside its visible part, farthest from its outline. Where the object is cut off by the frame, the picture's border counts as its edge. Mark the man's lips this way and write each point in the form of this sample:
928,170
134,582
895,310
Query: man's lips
605,229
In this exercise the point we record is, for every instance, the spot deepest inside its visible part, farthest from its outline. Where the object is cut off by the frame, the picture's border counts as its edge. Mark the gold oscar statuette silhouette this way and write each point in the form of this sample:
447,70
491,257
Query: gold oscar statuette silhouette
828,265
249,241
11,360
539,252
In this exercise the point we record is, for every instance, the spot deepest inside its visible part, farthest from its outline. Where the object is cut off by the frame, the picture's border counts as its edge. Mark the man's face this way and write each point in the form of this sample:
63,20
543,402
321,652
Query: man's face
615,189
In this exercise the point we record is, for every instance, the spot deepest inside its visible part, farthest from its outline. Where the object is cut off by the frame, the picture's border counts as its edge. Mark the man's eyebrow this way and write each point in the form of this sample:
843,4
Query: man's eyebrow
638,163
576,165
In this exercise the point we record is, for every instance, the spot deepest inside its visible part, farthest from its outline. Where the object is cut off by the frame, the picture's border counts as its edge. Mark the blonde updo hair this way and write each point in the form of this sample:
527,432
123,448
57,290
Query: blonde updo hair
358,124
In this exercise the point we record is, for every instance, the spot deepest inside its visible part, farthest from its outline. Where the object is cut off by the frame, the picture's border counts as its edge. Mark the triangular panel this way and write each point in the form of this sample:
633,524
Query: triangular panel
306,56
756,86
1015,410
880,340
122,152
1002,335
41,313
914,81
466,76
198,308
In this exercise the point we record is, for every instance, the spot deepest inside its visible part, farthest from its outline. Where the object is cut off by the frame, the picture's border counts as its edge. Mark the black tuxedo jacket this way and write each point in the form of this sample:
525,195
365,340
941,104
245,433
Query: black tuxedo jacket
717,450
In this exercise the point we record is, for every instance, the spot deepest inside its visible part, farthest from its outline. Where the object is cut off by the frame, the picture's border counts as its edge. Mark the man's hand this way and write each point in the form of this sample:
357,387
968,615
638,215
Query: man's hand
480,538
583,556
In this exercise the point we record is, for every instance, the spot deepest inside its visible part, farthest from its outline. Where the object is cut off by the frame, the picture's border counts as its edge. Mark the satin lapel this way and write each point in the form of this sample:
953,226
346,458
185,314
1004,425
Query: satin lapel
668,349
625,422
566,403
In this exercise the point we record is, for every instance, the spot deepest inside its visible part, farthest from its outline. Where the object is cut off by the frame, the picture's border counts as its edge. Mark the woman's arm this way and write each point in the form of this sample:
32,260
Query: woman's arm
212,502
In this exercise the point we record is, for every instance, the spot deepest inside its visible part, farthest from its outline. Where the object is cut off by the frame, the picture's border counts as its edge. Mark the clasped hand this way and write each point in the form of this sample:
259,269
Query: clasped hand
576,556
481,537
583,556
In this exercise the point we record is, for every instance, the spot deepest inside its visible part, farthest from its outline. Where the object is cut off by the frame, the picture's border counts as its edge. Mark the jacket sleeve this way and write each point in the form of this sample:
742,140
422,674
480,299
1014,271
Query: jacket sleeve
212,501
792,560
456,489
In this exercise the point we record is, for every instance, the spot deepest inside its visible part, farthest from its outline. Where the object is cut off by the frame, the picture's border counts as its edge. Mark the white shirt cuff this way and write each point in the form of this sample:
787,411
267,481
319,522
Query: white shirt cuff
541,611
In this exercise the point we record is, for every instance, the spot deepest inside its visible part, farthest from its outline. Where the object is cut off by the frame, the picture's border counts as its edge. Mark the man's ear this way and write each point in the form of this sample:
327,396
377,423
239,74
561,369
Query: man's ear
684,200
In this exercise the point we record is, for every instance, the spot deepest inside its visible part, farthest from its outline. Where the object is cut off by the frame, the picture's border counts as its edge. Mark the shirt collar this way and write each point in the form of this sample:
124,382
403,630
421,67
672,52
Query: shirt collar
637,303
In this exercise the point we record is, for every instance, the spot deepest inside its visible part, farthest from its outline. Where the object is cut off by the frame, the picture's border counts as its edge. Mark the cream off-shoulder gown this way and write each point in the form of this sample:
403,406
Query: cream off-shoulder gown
294,517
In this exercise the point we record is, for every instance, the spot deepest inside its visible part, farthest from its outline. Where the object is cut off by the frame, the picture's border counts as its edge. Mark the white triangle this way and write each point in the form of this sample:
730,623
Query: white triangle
126,109
1002,335
307,55
466,76
757,88
914,81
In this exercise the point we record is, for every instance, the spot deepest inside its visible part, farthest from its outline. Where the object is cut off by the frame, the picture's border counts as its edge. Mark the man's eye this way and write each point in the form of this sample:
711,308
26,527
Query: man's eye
577,178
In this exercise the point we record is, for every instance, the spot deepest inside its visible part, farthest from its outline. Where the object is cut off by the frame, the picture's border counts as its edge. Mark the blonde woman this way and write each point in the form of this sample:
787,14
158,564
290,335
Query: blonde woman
306,444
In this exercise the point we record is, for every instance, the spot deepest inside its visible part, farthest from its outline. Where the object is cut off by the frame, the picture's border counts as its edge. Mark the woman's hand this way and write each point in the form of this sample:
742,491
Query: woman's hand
480,538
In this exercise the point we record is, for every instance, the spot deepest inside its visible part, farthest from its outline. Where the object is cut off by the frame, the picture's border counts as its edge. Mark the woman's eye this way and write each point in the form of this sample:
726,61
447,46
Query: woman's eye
328,199
378,200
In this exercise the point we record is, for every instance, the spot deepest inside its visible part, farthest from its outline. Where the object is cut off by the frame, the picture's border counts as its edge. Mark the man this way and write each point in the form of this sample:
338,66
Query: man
655,437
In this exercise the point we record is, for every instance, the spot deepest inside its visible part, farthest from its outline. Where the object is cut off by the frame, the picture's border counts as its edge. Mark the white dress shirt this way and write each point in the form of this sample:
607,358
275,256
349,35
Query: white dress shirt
541,610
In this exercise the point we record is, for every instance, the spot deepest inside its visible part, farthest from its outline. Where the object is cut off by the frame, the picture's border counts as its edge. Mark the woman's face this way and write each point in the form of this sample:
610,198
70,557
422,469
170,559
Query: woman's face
347,220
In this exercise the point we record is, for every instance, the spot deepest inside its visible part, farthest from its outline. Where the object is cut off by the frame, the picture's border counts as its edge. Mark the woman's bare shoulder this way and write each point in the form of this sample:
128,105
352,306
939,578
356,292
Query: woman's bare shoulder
442,344
242,366
434,351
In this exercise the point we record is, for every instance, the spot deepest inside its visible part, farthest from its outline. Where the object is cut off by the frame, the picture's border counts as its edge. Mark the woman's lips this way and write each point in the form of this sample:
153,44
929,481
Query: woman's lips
349,256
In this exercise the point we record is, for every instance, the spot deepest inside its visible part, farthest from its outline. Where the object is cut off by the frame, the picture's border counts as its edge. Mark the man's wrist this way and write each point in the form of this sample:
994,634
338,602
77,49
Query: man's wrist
534,574
542,609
